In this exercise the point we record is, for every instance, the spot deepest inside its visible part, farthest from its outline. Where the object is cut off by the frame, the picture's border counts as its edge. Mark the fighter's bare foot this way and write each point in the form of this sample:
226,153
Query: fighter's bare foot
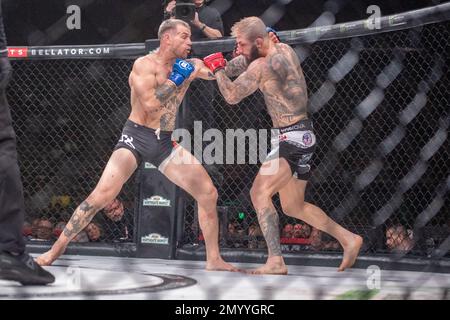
45,259
280,269
220,265
351,251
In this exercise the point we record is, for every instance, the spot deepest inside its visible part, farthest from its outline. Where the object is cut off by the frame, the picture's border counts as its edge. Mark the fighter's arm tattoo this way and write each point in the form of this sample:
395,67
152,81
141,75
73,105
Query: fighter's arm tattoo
170,107
80,219
167,121
269,223
242,87
236,66
165,91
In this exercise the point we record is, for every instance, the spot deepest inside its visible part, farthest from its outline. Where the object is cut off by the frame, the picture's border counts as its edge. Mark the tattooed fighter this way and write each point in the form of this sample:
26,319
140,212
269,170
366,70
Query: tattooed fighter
158,83
275,70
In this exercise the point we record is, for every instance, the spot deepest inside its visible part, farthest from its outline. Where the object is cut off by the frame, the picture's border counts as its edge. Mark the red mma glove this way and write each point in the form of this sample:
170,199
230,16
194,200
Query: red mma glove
215,62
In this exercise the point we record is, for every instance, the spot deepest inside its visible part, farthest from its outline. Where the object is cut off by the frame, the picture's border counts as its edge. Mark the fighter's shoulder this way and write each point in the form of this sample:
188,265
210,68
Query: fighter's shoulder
145,64
284,48
257,64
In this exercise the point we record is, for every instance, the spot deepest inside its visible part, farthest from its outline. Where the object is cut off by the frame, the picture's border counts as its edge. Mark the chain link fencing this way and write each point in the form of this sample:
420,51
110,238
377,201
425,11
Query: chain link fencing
380,109
68,114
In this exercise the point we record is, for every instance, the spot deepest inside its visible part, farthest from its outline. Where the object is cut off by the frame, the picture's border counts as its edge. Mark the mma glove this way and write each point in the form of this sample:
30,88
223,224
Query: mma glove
181,70
215,62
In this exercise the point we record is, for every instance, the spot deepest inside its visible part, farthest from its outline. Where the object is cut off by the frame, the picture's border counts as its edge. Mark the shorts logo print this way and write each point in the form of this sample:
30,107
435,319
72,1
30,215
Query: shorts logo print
128,140
307,139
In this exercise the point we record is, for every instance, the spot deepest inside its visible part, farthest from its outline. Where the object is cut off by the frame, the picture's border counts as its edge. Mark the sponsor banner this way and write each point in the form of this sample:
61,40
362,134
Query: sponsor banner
61,52
69,52
17,52
154,238
156,201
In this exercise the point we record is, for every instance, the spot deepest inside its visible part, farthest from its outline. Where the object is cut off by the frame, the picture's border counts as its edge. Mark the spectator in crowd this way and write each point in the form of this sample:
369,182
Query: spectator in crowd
287,231
289,235
119,225
398,239
34,227
114,211
207,23
301,230
45,230
94,232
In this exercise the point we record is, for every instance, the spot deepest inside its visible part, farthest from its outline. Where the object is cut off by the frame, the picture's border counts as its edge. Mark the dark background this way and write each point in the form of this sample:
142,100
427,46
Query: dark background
43,22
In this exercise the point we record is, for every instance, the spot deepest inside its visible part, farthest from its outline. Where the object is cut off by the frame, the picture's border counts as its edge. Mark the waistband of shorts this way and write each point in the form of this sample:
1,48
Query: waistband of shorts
134,124
304,124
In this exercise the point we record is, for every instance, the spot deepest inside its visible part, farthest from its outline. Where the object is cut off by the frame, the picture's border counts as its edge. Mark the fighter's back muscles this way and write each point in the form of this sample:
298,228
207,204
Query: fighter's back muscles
286,66
284,87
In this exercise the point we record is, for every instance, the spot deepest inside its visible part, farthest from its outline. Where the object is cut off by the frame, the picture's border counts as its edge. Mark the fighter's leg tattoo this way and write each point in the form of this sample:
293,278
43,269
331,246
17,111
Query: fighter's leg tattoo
269,222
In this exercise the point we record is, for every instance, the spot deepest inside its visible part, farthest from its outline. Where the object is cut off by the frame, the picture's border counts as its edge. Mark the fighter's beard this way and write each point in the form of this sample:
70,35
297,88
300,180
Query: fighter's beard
254,54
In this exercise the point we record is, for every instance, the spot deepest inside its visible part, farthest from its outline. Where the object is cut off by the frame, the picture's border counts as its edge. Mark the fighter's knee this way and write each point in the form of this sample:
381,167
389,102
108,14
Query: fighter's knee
208,195
211,194
214,194
259,193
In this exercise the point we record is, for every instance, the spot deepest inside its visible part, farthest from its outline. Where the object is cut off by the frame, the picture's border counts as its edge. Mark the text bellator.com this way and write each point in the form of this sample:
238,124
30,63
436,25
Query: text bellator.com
226,309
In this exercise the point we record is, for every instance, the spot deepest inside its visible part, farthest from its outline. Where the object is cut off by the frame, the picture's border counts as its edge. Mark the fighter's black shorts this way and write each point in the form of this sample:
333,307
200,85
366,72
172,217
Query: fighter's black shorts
295,143
147,144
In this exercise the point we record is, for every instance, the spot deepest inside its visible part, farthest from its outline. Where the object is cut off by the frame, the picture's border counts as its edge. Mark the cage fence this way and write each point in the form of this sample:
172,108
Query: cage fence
379,103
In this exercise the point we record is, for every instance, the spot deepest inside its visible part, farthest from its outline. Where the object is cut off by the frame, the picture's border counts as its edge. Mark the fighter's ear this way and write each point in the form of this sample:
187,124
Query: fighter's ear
167,36
259,42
